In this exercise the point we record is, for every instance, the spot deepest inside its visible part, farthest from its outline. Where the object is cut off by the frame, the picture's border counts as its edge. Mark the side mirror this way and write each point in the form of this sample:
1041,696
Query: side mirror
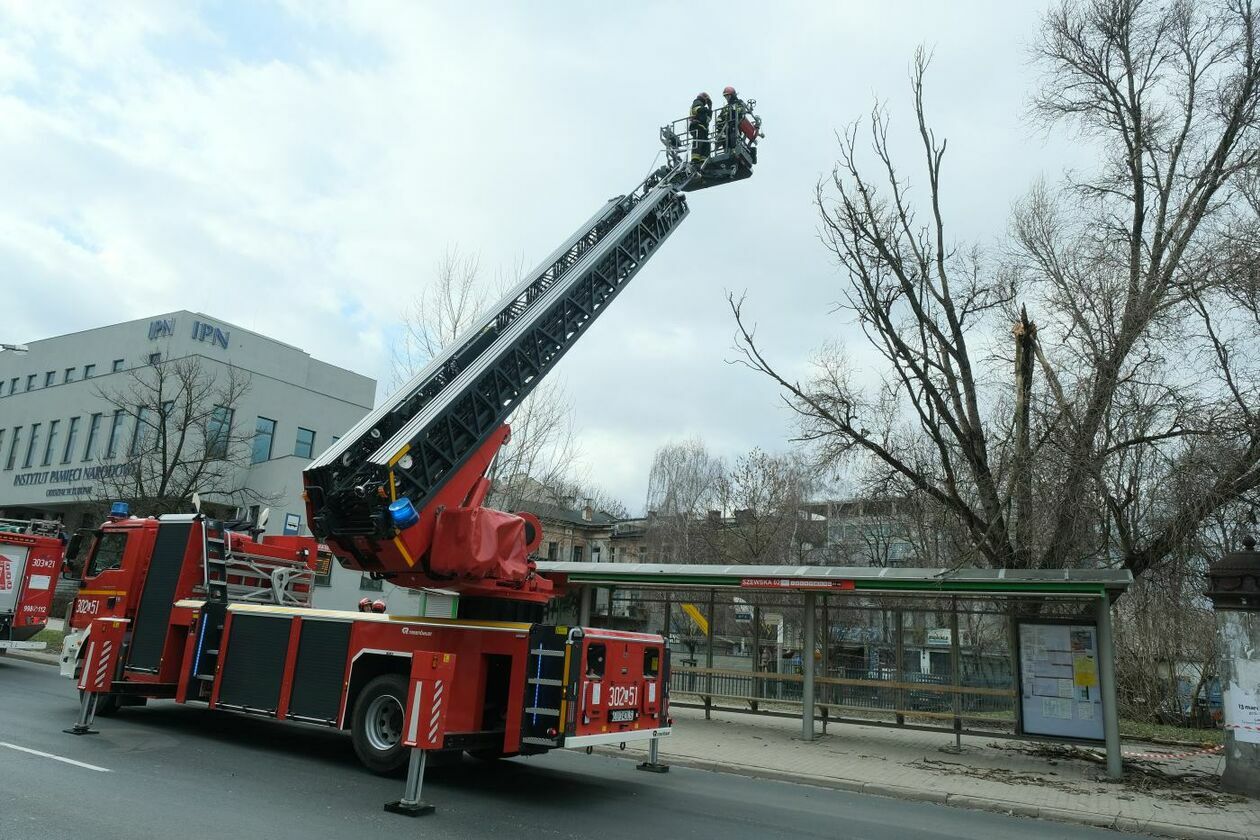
71,569
73,546
72,565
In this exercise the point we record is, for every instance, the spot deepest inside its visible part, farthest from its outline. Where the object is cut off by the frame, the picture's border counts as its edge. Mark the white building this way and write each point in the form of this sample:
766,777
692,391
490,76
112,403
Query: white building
59,435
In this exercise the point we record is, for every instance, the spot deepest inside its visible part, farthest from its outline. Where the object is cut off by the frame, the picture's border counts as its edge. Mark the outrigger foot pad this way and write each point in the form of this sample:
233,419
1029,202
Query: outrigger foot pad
409,809
81,730
649,767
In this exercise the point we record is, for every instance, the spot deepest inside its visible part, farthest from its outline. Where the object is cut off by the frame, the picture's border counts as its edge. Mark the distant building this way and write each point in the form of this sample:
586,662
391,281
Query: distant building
573,534
60,438
860,532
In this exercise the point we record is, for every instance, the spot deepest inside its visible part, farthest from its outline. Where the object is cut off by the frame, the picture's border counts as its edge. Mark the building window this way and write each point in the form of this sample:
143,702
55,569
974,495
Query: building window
13,385
264,433
1,387
31,446
367,584
50,378
218,432
154,358
30,382
143,432
2,440
553,551
51,446
71,434
88,370
305,443
69,375
94,428
13,448
115,432
577,553
118,363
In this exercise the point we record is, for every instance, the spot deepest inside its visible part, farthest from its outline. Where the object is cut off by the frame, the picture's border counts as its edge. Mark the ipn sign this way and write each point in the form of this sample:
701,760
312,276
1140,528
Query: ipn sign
162,328
204,332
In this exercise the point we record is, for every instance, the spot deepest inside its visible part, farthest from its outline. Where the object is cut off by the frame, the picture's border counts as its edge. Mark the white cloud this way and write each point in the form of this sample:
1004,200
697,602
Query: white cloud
299,168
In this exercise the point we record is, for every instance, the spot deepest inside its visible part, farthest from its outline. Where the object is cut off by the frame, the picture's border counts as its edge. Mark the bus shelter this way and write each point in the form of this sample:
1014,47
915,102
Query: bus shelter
992,652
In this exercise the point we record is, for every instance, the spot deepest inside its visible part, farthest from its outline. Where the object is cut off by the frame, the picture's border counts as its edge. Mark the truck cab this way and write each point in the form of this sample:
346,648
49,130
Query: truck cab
136,569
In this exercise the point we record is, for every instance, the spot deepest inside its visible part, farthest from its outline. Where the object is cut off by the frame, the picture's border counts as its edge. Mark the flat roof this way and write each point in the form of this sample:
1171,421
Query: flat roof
851,579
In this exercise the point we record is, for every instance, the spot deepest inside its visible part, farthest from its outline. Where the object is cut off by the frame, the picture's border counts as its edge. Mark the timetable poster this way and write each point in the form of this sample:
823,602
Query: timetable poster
1058,676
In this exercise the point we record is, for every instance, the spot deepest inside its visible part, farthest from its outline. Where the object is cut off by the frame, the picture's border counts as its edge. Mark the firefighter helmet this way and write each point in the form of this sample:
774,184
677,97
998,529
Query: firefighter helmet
365,604
704,97
728,91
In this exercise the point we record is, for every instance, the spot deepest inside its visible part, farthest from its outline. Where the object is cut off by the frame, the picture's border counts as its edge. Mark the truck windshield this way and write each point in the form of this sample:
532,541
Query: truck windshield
107,553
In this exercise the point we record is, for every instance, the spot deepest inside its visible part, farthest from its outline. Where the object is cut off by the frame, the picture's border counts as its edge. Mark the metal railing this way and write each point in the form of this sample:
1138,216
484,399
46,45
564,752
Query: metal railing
721,134
39,527
943,664
925,696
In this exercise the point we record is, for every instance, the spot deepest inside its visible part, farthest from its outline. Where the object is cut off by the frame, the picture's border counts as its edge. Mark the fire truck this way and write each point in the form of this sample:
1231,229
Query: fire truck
188,608
30,561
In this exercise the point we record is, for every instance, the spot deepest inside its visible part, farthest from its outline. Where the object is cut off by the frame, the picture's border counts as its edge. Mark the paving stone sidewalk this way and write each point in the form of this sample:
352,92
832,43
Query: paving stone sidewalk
1169,798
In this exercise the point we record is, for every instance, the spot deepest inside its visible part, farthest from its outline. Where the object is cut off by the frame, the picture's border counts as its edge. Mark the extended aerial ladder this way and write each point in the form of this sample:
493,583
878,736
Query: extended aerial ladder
182,608
400,495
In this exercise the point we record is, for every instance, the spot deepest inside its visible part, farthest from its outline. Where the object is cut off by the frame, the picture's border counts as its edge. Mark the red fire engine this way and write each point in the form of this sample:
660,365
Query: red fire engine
30,560
186,608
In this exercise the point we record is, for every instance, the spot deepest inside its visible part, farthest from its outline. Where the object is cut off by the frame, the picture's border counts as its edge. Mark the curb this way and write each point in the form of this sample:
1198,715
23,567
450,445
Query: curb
958,800
38,658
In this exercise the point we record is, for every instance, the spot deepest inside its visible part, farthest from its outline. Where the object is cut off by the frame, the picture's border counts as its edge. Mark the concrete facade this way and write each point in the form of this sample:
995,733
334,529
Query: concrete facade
51,460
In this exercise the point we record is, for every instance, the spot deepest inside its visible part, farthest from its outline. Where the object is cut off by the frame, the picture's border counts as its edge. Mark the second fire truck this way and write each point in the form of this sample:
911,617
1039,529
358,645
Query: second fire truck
30,562
186,608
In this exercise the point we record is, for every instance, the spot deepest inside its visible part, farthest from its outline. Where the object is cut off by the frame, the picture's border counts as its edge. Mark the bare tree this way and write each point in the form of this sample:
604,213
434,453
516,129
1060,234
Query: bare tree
542,450
684,485
1142,421
173,433
765,497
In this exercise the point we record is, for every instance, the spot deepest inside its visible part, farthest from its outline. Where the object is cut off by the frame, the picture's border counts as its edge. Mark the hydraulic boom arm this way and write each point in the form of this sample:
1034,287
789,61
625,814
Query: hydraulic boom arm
400,494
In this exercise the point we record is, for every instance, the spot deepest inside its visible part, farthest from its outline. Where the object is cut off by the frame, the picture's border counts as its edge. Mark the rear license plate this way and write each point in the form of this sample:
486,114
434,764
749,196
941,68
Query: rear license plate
623,715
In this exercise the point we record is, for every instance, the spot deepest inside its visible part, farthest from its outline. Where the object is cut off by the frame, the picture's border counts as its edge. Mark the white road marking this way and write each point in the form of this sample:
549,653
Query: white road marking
61,758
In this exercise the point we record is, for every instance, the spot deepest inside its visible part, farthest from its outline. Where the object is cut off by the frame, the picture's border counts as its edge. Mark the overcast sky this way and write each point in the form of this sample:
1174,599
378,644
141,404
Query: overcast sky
298,169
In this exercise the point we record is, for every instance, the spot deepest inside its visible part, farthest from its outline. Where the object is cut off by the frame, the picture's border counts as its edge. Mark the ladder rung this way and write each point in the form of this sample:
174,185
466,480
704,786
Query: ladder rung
545,652
538,681
534,710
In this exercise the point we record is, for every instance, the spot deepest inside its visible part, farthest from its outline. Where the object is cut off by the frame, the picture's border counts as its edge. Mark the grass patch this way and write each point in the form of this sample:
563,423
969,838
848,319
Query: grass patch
1166,732
54,638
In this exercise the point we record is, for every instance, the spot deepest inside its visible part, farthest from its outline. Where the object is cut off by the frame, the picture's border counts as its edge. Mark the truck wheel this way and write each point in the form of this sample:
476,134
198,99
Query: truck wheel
377,725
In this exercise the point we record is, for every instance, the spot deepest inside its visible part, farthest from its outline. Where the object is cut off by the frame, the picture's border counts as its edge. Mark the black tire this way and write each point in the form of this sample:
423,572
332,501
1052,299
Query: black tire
376,725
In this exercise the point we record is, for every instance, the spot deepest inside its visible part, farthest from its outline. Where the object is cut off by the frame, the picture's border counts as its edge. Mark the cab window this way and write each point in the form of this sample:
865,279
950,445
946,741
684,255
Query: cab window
595,656
107,553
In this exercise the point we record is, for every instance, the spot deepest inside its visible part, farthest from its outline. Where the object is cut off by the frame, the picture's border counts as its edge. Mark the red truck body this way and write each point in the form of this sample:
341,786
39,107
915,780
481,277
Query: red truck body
518,687
30,564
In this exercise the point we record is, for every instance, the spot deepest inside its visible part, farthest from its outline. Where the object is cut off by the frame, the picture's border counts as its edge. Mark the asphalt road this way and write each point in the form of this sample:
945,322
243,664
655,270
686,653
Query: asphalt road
176,771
